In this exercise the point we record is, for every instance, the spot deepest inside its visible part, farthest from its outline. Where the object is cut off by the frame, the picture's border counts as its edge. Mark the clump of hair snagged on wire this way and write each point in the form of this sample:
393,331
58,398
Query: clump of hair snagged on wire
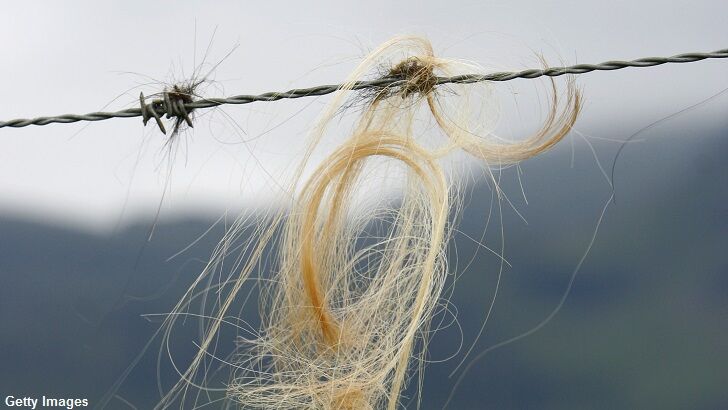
175,97
345,324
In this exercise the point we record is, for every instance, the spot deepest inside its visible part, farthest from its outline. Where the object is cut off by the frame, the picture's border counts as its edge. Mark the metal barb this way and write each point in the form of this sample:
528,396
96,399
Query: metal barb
168,106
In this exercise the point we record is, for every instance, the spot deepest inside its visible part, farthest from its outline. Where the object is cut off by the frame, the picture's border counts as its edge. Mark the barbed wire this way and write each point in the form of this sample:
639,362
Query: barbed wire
158,108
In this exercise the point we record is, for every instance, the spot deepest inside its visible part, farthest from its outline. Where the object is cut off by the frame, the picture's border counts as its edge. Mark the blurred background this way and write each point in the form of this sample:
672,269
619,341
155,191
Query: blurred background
644,326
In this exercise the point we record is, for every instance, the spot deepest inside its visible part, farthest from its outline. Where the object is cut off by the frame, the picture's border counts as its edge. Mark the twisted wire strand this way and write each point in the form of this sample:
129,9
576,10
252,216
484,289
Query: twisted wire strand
176,108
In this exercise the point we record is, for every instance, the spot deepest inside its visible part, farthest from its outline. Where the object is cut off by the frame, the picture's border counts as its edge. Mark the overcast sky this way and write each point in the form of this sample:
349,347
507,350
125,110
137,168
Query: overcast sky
76,57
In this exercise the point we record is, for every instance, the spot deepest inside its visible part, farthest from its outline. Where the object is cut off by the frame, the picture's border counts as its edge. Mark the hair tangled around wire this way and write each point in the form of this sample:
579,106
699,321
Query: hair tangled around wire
345,322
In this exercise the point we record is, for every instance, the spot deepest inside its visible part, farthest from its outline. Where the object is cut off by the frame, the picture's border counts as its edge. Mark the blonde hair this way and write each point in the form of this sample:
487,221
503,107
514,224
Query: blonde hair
345,321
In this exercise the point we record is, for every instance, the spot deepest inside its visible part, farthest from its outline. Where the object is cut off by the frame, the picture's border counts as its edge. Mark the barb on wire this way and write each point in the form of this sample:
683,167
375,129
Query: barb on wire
179,107
172,103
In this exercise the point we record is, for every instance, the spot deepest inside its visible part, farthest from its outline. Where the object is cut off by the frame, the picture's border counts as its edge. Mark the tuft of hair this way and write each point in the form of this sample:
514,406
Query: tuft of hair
184,91
346,321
